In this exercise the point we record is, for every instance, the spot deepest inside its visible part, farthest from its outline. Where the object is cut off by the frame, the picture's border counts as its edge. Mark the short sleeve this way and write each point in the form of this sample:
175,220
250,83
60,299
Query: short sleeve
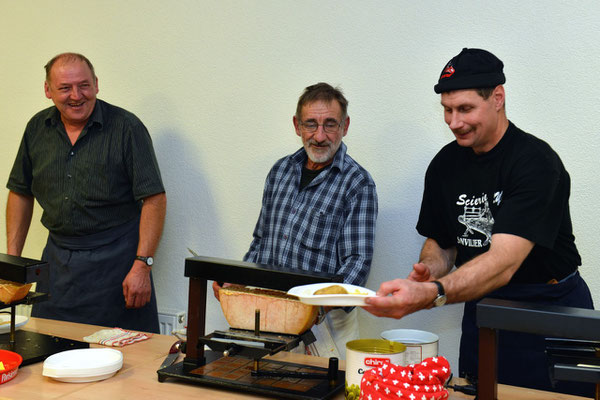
143,166
432,222
20,177
533,205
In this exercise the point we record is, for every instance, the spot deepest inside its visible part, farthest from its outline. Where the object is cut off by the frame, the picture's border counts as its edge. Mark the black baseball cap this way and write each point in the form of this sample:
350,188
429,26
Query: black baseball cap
471,69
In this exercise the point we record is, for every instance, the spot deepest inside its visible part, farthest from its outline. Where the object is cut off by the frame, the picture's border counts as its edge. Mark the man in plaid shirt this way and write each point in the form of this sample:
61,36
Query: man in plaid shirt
319,209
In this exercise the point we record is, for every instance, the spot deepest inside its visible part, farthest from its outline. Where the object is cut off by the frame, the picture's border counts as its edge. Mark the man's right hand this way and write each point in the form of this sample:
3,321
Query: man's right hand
401,297
216,288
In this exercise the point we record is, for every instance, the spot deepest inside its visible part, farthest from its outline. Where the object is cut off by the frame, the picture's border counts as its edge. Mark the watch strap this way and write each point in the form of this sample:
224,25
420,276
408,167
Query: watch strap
147,260
441,298
441,291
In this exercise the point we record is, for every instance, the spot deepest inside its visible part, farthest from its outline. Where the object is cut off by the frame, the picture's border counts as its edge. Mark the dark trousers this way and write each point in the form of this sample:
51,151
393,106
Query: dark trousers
86,280
521,356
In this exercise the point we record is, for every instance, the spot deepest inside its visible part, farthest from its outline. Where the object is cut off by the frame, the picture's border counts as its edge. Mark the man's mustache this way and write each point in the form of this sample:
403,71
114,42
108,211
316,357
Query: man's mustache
313,142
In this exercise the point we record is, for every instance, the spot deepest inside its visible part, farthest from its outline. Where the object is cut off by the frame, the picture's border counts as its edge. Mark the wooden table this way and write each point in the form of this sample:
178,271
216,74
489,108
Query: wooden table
138,379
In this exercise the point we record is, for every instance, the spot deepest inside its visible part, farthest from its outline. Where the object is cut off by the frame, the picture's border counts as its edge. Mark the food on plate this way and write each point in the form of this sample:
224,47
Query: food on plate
333,289
279,311
13,291
337,289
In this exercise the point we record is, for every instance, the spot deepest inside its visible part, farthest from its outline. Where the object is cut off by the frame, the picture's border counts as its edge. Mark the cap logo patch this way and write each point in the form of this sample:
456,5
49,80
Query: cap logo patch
448,71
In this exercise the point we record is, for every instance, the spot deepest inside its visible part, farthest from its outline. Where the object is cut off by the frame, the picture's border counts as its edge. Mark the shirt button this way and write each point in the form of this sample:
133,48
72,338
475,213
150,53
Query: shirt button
293,211
285,237
66,197
72,153
69,176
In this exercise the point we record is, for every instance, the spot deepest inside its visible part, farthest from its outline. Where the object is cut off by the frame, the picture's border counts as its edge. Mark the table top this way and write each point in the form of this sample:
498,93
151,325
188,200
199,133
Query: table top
138,379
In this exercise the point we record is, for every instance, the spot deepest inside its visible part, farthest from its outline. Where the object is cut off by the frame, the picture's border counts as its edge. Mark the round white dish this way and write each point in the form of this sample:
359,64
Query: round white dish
20,320
356,295
83,365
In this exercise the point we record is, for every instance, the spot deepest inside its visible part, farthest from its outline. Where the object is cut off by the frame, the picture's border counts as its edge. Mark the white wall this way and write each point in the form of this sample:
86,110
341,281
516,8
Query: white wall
216,83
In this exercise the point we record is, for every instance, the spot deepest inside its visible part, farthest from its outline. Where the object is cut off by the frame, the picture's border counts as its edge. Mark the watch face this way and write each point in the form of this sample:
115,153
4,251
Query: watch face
440,301
149,260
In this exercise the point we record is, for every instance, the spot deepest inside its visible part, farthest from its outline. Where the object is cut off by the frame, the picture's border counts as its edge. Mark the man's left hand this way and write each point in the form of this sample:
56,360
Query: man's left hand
420,273
136,286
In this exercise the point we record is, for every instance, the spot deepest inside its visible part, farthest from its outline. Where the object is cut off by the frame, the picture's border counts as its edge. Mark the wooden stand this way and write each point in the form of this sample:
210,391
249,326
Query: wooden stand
553,321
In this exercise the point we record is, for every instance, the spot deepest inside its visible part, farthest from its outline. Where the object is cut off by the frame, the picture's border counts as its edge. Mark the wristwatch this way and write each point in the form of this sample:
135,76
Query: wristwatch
441,299
148,260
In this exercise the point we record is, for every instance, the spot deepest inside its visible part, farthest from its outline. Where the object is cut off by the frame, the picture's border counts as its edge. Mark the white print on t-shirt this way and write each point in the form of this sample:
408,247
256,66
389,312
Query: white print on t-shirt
497,197
476,217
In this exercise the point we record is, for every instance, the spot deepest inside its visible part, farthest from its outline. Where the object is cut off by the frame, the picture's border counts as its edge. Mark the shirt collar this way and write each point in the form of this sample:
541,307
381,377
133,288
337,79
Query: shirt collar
498,148
53,116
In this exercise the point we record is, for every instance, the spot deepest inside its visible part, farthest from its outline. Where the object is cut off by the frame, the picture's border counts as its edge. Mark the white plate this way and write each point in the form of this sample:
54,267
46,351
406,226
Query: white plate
20,320
356,295
83,365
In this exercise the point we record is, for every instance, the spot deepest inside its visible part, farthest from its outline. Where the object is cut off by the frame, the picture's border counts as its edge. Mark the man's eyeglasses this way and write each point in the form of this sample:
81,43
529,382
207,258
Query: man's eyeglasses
329,126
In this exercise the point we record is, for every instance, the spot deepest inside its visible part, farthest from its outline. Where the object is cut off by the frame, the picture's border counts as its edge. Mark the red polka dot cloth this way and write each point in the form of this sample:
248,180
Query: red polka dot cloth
424,381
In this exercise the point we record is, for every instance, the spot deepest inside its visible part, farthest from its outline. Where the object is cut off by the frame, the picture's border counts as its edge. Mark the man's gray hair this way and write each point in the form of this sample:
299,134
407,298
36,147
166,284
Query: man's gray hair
322,92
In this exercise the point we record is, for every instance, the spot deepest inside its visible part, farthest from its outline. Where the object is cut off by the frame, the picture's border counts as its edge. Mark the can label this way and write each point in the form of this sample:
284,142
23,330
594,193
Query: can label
419,344
361,356
375,362
415,353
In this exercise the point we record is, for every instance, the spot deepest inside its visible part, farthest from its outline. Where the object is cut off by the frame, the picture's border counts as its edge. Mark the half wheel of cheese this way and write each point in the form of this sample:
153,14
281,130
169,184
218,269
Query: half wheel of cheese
279,312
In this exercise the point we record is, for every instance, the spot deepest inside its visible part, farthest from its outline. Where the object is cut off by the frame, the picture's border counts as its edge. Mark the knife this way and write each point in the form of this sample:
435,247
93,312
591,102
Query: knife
193,252
173,354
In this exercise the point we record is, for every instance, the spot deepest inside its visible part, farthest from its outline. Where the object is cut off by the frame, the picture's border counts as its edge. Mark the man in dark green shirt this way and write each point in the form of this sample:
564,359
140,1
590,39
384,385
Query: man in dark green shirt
92,168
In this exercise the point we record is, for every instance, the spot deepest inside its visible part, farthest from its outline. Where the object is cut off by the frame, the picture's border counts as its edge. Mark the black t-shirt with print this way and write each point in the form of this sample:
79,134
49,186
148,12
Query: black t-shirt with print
519,187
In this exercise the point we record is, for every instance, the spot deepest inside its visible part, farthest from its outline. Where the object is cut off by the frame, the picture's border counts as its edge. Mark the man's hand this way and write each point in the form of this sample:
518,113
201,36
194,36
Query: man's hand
420,273
401,297
474,279
136,286
216,288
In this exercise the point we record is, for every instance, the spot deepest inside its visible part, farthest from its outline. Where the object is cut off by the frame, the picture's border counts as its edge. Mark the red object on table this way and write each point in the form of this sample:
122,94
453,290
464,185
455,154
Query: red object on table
415,381
11,361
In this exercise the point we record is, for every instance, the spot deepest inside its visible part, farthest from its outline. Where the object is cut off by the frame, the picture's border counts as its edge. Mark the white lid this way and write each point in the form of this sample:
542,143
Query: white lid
83,365
410,336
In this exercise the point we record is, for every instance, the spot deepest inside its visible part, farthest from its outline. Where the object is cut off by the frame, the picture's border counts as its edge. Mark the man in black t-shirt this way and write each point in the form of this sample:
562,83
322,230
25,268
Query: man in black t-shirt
496,206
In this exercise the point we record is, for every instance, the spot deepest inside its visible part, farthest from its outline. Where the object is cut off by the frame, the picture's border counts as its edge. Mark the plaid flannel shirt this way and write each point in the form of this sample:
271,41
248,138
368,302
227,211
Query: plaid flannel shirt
329,226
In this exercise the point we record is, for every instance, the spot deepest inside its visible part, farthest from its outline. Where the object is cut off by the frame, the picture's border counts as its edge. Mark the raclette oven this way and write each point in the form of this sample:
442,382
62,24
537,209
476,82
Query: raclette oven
32,346
240,372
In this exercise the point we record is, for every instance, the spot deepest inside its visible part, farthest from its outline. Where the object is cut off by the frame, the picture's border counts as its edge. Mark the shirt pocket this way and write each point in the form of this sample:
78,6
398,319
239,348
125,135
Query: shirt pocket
322,230
94,177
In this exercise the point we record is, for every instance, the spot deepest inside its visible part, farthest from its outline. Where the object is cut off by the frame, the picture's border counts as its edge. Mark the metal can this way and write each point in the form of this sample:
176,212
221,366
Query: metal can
419,344
364,354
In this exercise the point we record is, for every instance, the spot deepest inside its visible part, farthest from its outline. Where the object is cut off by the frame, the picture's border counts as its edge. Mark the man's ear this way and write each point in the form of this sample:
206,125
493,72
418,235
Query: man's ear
499,96
296,125
47,90
346,125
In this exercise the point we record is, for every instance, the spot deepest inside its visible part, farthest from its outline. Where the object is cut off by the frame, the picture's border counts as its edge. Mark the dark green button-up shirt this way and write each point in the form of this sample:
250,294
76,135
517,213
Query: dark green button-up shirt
97,183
